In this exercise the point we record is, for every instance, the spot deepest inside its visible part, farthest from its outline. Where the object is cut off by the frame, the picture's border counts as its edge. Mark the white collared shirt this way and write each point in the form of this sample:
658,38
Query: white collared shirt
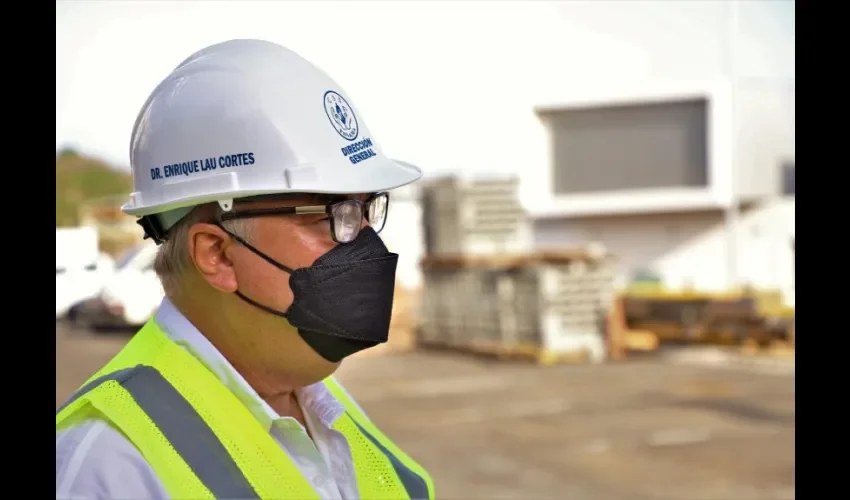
95,460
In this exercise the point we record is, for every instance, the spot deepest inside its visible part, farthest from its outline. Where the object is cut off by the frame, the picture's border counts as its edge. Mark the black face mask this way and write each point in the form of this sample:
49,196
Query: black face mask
343,302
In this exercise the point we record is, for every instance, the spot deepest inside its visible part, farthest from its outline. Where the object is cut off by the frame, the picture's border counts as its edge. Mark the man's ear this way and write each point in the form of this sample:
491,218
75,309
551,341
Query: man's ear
208,248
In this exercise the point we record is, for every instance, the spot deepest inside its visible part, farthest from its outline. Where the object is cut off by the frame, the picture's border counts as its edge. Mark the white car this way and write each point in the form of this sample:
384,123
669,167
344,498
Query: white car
75,285
81,271
129,297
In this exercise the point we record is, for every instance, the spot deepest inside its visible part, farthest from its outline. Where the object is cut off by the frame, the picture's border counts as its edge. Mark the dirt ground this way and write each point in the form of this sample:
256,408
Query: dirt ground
640,430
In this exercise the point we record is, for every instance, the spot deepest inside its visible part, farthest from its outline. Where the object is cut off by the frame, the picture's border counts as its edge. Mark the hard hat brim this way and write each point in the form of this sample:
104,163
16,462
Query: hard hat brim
373,175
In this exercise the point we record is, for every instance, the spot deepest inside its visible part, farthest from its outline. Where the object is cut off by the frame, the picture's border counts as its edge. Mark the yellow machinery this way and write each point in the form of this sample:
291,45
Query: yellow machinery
737,317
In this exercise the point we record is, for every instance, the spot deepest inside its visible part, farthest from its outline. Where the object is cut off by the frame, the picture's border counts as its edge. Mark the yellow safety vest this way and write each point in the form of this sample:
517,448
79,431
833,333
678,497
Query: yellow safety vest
202,442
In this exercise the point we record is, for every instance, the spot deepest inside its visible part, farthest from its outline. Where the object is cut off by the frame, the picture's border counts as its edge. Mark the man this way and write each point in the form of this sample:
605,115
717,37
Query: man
263,187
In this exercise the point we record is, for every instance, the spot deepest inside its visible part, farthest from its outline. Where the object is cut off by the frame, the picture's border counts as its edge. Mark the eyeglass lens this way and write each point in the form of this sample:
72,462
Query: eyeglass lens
376,212
347,217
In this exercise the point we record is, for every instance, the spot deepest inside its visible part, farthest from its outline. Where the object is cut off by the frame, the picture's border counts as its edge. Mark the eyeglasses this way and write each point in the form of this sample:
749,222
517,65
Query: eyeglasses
345,215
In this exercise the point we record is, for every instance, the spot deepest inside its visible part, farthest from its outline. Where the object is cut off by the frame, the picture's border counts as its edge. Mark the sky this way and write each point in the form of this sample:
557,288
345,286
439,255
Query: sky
430,76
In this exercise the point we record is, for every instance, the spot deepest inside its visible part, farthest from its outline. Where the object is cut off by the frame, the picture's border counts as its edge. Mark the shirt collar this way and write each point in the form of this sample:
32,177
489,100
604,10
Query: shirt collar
316,398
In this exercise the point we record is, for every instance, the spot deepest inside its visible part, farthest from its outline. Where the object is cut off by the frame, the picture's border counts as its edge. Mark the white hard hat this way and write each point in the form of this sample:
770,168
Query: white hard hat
246,118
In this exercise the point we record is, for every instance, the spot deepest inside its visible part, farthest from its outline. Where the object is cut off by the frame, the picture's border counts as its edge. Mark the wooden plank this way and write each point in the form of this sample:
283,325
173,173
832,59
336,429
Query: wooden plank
502,352
511,261
640,340
616,330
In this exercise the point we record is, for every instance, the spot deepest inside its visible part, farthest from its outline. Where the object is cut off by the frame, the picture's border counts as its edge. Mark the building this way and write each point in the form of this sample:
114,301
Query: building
484,102
691,183
403,234
653,175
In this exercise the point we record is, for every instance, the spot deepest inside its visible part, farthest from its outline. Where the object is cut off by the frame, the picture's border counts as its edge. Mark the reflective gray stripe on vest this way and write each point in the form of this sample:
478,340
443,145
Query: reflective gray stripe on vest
187,432
417,488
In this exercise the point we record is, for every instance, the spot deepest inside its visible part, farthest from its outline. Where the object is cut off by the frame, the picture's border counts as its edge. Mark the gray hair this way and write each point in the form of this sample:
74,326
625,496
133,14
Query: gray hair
172,258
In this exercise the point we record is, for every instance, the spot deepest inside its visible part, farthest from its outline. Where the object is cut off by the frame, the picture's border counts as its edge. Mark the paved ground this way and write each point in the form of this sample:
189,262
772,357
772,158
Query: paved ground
637,431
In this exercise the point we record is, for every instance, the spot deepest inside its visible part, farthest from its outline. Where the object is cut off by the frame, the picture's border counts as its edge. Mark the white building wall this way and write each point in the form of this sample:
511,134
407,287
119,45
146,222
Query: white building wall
682,248
404,235
750,134
689,249
765,118
719,149
766,256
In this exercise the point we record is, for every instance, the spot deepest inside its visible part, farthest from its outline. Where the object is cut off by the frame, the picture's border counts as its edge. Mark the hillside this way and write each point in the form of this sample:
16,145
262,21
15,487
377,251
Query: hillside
80,178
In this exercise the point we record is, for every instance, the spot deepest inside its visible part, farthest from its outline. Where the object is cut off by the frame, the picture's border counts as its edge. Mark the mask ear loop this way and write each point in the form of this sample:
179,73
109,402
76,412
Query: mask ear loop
267,259
260,306
256,251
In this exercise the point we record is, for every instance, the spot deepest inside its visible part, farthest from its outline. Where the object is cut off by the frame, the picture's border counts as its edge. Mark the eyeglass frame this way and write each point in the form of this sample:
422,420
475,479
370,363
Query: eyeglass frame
327,208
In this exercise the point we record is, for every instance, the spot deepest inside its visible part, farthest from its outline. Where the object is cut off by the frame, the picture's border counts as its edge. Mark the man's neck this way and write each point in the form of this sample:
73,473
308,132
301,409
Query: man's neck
272,386
287,405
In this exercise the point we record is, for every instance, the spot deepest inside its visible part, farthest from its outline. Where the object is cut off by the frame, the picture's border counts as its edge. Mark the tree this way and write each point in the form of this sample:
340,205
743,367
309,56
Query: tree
80,178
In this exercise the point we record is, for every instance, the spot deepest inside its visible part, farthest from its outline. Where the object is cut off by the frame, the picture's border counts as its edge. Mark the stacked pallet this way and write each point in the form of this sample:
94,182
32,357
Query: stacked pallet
545,306
486,291
473,217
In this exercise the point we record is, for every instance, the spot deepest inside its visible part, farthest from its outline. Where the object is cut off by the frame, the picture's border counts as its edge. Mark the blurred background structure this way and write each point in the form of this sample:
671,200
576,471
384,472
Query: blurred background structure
596,285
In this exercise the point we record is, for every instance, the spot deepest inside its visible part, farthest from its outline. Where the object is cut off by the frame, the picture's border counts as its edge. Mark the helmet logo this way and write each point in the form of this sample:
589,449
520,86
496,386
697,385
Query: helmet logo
341,116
